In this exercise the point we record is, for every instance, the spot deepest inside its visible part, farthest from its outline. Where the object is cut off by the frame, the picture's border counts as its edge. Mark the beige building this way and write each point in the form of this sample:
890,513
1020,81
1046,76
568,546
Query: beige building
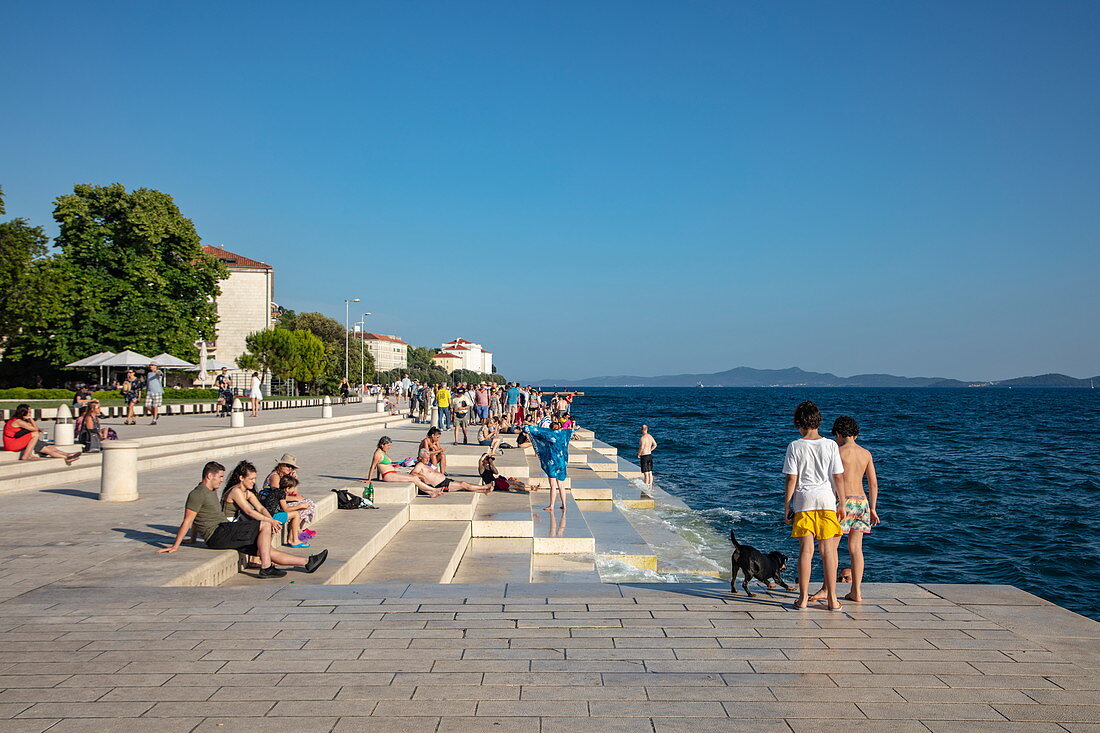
450,362
246,303
473,356
389,352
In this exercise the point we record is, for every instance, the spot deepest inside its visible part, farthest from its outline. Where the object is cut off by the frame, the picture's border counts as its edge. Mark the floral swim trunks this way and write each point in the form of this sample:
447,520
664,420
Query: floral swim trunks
857,515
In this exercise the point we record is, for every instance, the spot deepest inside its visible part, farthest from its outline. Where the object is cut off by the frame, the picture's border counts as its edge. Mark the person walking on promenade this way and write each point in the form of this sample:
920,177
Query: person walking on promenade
345,390
646,446
131,393
154,391
859,513
443,401
812,503
255,393
552,447
250,530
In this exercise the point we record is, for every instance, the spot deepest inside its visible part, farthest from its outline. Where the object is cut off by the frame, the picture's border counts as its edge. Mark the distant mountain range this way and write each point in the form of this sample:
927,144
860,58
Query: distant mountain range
795,377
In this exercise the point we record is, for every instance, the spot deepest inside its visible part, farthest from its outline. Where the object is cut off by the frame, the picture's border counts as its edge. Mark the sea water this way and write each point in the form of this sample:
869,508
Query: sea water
977,485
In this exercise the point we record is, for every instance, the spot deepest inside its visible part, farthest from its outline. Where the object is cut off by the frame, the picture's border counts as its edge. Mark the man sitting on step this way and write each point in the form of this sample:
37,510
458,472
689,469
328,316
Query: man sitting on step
438,482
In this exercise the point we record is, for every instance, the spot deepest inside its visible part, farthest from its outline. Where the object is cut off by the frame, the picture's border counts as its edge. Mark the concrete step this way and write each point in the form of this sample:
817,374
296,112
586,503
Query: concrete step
189,447
605,449
626,469
615,537
629,494
353,538
675,554
577,568
495,560
451,506
503,514
422,552
557,532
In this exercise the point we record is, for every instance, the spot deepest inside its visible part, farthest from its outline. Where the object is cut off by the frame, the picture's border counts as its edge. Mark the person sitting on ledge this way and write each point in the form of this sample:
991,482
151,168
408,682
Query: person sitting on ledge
432,451
487,469
382,467
22,436
250,529
437,482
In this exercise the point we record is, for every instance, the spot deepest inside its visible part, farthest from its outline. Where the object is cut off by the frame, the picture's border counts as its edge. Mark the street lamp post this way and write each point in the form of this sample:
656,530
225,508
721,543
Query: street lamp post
362,346
346,335
360,325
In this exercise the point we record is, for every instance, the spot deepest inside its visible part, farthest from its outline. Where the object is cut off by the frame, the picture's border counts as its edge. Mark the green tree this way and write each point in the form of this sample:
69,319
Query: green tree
309,356
134,275
274,350
331,333
21,245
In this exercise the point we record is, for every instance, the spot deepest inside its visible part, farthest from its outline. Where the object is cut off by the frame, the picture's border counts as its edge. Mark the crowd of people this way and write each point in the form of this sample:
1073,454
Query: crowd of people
245,517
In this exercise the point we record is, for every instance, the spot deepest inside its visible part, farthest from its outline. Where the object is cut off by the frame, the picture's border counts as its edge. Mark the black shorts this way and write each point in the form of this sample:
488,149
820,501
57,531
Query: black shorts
241,535
444,484
646,462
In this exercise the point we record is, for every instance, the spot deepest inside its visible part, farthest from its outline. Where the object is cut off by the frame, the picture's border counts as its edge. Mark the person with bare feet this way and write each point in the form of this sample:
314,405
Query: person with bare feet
23,436
859,513
437,482
812,503
487,469
382,468
646,446
552,447
431,450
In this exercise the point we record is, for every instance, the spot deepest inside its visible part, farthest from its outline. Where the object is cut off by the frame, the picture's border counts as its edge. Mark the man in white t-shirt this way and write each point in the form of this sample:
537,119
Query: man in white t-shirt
812,504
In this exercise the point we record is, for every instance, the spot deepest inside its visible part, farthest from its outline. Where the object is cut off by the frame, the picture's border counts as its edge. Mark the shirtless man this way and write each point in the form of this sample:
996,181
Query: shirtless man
646,446
439,482
860,514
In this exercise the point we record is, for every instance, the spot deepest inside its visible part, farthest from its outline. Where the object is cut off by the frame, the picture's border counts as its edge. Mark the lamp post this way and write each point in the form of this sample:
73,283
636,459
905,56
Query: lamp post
346,335
362,346
359,327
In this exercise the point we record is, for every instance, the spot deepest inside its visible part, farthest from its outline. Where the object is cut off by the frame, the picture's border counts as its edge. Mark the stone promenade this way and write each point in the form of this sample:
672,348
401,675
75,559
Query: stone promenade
542,657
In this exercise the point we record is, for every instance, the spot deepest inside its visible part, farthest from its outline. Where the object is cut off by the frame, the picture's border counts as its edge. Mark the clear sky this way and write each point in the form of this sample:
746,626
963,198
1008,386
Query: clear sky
608,187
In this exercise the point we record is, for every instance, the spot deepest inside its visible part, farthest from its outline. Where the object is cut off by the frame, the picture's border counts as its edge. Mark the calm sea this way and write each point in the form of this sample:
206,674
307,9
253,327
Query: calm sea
976,485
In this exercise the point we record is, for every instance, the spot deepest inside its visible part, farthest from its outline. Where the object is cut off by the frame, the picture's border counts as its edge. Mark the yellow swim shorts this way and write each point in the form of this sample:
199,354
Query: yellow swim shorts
821,523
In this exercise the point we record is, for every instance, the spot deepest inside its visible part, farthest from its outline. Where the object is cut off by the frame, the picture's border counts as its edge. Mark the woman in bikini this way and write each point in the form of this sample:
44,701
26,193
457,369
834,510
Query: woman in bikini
382,468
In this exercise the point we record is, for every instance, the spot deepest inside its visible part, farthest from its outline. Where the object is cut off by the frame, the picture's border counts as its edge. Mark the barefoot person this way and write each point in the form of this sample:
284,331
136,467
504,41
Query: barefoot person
812,502
646,446
22,436
859,513
437,482
251,528
552,447
382,468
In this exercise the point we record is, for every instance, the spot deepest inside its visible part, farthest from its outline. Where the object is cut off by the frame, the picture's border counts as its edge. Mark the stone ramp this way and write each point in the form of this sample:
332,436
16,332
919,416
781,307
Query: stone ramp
546,657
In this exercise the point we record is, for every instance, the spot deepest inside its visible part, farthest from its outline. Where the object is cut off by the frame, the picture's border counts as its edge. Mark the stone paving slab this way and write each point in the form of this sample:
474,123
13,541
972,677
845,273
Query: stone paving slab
520,656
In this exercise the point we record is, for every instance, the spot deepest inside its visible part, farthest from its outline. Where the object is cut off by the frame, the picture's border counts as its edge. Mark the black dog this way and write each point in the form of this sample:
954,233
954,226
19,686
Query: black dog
755,564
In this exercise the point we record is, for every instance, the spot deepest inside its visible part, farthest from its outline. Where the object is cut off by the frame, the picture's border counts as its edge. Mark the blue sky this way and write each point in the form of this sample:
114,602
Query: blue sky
614,187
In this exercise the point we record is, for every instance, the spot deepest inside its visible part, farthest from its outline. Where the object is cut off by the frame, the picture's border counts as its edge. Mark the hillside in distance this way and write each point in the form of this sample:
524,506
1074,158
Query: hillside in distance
795,377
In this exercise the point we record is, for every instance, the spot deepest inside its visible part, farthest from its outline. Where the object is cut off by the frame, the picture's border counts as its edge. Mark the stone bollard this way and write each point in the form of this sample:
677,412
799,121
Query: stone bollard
236,419
118,478
433,416
326,407
63,430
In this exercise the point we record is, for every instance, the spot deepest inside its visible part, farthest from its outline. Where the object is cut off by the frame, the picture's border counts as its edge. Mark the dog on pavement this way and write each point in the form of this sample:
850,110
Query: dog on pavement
755,565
